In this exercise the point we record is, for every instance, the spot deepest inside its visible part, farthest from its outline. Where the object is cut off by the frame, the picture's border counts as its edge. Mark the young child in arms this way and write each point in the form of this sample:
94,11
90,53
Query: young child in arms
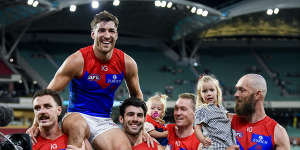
211,116
155,125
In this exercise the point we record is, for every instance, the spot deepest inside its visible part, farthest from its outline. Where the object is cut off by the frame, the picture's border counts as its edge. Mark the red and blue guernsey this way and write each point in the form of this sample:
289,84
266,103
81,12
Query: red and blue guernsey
93,93
59,143
254,136
187,143
144,146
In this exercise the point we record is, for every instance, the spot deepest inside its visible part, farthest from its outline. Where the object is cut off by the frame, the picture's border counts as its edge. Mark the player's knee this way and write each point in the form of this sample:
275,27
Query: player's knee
75,125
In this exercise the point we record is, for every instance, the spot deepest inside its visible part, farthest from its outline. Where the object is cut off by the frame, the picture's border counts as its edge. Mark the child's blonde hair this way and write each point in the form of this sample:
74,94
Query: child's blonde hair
162,98
204,79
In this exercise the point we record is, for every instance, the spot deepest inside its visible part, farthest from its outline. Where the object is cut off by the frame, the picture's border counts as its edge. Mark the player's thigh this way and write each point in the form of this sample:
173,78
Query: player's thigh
75,123
113,139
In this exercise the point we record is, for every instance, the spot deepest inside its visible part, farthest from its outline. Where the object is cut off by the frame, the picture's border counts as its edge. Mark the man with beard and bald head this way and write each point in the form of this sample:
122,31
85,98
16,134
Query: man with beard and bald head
132,118
256,130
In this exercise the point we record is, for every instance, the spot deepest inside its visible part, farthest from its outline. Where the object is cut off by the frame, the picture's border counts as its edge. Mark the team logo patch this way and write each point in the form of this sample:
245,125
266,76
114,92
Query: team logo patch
262,142
239,134
94,77
260,139
114,78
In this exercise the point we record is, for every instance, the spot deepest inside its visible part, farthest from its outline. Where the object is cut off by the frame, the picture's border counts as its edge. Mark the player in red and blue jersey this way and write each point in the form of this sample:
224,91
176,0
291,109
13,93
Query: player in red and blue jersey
181,135
255,130
47,106
95,73
59,143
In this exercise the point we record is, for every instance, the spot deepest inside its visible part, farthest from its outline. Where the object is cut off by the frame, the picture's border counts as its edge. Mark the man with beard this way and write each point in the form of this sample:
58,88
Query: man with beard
132,117
181,135
47,107
95,72
255,130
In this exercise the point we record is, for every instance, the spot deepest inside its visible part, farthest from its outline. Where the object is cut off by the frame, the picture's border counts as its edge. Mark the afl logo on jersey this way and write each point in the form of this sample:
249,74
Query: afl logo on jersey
239,134
94,77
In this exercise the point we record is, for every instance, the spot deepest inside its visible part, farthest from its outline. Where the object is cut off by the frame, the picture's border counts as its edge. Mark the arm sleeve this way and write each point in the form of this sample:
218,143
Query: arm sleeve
224,110
200,116
148,127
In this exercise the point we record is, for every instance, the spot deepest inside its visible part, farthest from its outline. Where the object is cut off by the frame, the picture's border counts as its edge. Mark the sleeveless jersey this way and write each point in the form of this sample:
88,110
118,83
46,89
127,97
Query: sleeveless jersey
93,93
175,143
144,146
254,136
45,144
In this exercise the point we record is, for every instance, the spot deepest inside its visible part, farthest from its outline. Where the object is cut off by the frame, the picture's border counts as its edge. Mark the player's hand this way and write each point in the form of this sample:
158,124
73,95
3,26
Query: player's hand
233,147
150,141
33,132
206,141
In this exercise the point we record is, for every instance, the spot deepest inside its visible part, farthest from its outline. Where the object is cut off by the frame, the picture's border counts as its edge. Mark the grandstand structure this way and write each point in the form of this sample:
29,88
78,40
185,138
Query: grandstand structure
172,43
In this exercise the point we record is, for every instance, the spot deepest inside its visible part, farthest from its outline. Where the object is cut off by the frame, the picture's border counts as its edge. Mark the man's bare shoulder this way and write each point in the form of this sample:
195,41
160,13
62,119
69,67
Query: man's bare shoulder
131,66
129,61
279,130
76,57
281,138
73,64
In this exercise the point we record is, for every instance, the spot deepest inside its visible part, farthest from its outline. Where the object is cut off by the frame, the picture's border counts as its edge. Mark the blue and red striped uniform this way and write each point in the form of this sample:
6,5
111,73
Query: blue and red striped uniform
254,136
93,93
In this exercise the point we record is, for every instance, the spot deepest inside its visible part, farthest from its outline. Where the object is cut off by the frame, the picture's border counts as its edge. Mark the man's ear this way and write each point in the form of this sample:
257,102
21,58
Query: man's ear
258,94
59,110
93,34
117,35
121,119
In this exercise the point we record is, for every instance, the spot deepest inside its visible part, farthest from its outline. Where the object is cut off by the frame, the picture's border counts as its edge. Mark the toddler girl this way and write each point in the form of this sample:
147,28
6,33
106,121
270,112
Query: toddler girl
211,116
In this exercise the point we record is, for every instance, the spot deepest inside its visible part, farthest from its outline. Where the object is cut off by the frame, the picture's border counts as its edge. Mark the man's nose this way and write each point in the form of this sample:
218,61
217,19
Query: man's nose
236,94
43,110
178,112
135,118
106,34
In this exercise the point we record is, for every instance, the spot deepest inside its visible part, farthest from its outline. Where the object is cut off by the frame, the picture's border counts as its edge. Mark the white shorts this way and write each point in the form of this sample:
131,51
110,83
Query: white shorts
97,125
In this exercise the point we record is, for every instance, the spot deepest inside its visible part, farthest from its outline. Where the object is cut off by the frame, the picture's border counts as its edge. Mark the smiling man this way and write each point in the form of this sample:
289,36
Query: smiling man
47,106
181,135
132,118
95,72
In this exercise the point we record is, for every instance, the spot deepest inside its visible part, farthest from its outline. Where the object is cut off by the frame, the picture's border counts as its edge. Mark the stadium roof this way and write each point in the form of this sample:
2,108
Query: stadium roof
139,19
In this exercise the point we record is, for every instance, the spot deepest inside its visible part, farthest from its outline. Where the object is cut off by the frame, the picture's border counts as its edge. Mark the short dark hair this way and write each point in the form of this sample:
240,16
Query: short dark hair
104,16
190,96
52,93
132,102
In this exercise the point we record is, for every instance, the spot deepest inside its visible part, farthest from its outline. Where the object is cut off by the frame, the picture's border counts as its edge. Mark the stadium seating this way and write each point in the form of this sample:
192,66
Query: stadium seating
228,68
285,65
152,78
